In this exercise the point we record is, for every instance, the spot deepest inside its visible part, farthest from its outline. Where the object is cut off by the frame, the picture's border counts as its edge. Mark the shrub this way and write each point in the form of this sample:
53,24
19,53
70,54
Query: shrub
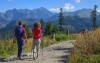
46,41
86,48
62,37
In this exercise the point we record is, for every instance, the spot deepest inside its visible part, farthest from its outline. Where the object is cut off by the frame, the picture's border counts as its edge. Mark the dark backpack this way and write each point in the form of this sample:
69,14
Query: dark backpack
18,32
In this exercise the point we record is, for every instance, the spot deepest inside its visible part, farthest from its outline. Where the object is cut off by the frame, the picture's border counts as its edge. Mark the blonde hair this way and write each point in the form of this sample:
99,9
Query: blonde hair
37,24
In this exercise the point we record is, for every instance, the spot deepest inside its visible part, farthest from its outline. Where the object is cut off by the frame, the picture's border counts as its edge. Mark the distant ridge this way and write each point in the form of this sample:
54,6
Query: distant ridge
77,20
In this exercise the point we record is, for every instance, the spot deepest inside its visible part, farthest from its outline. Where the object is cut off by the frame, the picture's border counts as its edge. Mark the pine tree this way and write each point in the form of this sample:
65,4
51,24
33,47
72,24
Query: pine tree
61,20
93,16
41,21
29,33
42,26
49,28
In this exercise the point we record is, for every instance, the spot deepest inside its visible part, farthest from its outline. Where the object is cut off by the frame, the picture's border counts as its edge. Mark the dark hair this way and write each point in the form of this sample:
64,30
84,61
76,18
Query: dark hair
24,25
37,25
20,23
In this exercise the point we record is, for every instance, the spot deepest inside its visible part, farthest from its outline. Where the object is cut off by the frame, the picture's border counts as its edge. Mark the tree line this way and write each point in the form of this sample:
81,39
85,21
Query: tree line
50,28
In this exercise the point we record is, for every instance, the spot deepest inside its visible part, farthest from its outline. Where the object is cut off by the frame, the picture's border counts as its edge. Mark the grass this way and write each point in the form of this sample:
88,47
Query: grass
86,48
62,37
8,48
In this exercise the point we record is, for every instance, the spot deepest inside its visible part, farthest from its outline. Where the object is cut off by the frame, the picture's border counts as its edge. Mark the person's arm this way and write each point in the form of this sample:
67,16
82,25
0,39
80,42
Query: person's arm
40,31
24,31
25,37
32,34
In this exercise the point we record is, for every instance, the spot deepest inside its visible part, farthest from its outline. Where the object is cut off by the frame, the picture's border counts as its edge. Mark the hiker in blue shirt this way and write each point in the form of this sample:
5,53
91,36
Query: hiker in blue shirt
20,35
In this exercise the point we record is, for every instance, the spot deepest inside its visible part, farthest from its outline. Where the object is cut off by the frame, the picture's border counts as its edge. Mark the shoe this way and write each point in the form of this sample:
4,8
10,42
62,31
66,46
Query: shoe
34,52
34,58
19,58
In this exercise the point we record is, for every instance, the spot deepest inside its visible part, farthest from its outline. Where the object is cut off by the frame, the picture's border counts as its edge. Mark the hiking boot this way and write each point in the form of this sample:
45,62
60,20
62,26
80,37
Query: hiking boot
19,58
34,58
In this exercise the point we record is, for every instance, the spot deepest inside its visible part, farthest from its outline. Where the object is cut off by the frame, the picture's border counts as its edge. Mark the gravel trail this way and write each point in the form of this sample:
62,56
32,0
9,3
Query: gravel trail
57,53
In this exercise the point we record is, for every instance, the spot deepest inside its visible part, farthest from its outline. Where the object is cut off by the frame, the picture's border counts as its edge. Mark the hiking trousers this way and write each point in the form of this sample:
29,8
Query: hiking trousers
36,43
20,44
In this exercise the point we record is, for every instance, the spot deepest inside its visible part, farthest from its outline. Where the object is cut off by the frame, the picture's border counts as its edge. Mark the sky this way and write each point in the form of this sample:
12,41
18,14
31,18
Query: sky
52,5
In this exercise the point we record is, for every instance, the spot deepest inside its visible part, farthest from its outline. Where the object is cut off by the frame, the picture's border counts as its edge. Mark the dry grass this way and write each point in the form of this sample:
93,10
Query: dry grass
45,41
89,43
86,48
8,48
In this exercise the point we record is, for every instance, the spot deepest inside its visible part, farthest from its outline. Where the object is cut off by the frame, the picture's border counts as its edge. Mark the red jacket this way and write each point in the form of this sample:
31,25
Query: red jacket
36,33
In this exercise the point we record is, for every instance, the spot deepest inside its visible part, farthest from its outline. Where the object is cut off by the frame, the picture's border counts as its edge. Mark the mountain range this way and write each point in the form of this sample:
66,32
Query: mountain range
76,21
20,14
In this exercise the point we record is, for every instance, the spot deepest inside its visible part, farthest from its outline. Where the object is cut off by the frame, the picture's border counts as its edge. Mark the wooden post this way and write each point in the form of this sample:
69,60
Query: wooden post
54,36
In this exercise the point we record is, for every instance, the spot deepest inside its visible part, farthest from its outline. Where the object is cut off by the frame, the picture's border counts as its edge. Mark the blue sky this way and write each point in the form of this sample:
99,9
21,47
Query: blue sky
52,5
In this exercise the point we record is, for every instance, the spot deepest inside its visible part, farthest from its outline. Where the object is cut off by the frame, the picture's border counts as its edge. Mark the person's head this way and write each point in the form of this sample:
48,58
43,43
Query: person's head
20,23
37,25
24,25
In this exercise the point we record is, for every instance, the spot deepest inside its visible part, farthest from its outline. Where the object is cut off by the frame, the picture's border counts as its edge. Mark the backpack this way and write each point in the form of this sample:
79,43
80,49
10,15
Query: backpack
18,32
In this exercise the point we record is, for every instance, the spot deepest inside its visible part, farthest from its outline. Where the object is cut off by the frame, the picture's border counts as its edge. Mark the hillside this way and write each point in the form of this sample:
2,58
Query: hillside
74,21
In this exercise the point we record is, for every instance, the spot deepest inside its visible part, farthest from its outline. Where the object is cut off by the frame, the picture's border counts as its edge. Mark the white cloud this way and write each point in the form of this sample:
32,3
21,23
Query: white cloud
68,7
98,10
77,1
55,10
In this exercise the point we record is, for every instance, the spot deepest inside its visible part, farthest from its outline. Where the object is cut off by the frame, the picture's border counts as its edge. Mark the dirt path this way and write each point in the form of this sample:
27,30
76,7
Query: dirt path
57,53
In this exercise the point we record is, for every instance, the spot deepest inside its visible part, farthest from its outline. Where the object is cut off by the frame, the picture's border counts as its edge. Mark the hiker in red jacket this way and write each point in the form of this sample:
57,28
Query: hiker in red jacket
36,31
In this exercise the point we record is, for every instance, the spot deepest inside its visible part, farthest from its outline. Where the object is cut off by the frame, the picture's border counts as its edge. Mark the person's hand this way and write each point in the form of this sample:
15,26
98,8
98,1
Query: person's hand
41,34
26,41
14,40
